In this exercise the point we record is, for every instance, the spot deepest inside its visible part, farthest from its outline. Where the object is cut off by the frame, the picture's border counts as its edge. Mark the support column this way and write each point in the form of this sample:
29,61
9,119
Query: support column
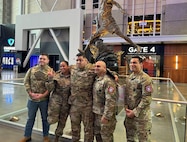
78,3
1,9
6,19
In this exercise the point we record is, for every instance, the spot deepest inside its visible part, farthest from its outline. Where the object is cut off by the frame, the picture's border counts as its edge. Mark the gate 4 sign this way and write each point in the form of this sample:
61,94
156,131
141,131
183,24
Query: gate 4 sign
144,50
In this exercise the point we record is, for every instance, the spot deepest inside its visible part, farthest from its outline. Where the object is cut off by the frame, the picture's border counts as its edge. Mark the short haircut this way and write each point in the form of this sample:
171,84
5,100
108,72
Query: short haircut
81,54
44,54
139,58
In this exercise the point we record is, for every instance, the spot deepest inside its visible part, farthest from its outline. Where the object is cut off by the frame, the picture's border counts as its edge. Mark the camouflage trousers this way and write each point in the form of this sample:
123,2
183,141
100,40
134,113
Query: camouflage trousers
104,130
61,124
57,109
54,107
80,114
137,130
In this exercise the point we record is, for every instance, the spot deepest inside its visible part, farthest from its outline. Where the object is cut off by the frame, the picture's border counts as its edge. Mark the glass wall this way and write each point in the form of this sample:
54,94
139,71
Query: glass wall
168,110
144,26
151,64
142,18
153,55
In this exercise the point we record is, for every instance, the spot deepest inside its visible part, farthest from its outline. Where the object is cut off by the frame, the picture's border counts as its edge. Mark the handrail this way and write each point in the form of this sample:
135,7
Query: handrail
12,79
169,101
166,79
169,79
13,83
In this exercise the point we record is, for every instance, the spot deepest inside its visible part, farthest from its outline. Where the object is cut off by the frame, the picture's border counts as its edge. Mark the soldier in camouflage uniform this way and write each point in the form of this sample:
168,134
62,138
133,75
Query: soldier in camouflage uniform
104,104
82,78
58,109
36,80
137,103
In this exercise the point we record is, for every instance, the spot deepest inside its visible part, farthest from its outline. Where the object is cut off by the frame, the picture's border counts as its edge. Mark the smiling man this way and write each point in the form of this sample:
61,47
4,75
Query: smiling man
35,82
137,103
104,104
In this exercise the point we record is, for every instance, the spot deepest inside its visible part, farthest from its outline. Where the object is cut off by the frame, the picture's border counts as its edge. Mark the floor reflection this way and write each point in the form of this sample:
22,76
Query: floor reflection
168,119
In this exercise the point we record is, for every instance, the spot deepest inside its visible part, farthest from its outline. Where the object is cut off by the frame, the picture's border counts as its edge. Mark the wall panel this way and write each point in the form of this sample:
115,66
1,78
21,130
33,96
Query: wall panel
180,74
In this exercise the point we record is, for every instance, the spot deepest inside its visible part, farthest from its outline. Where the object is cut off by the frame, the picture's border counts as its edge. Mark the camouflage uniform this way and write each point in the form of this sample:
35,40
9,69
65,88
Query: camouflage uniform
58,109
104,104
36,81
81,102
138,98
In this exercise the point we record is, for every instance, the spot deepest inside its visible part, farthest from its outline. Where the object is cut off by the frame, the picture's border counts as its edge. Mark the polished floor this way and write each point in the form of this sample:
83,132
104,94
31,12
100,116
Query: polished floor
10,133
13,99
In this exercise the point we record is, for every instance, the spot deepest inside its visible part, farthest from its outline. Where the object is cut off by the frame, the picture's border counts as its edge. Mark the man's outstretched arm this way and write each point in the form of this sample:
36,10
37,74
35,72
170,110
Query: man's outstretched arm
119,6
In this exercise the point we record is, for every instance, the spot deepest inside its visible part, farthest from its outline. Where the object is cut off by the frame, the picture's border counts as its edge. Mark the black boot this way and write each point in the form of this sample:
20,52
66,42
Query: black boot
98,138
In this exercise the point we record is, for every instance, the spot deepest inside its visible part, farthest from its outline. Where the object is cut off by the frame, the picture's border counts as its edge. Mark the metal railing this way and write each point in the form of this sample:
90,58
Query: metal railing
168,112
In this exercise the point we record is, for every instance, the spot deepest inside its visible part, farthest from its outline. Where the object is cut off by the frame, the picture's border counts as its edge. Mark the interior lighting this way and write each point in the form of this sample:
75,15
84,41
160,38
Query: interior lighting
159,102
176,62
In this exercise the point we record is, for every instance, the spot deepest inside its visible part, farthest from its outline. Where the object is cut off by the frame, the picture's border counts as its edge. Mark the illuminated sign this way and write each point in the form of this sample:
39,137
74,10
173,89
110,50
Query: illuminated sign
144,50
8,60
9,48
10,41
142,23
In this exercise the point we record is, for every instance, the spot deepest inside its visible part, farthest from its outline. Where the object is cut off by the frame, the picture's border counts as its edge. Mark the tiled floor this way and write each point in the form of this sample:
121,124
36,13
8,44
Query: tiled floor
13,98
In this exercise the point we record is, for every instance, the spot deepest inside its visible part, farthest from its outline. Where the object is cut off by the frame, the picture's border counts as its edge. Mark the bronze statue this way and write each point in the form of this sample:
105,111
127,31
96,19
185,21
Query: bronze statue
101,52
108,24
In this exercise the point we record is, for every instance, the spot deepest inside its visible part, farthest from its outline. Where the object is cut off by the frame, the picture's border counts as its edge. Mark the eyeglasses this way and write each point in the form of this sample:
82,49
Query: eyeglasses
98,66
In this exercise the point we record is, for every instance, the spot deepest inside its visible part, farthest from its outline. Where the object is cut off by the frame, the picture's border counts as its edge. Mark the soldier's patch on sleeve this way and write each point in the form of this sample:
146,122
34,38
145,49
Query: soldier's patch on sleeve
111,89
149,88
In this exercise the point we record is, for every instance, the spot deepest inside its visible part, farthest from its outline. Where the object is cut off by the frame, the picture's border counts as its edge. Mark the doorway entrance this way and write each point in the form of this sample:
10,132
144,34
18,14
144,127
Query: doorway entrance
54,62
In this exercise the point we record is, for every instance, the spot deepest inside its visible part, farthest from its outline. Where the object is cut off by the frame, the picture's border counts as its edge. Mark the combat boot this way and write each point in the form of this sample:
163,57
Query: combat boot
46,139
98,138
56,138
25,139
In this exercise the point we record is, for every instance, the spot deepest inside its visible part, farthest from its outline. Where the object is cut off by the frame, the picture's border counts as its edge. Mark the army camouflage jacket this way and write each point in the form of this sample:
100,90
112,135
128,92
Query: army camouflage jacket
105,97
81,85
138,93
60,84
36,79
